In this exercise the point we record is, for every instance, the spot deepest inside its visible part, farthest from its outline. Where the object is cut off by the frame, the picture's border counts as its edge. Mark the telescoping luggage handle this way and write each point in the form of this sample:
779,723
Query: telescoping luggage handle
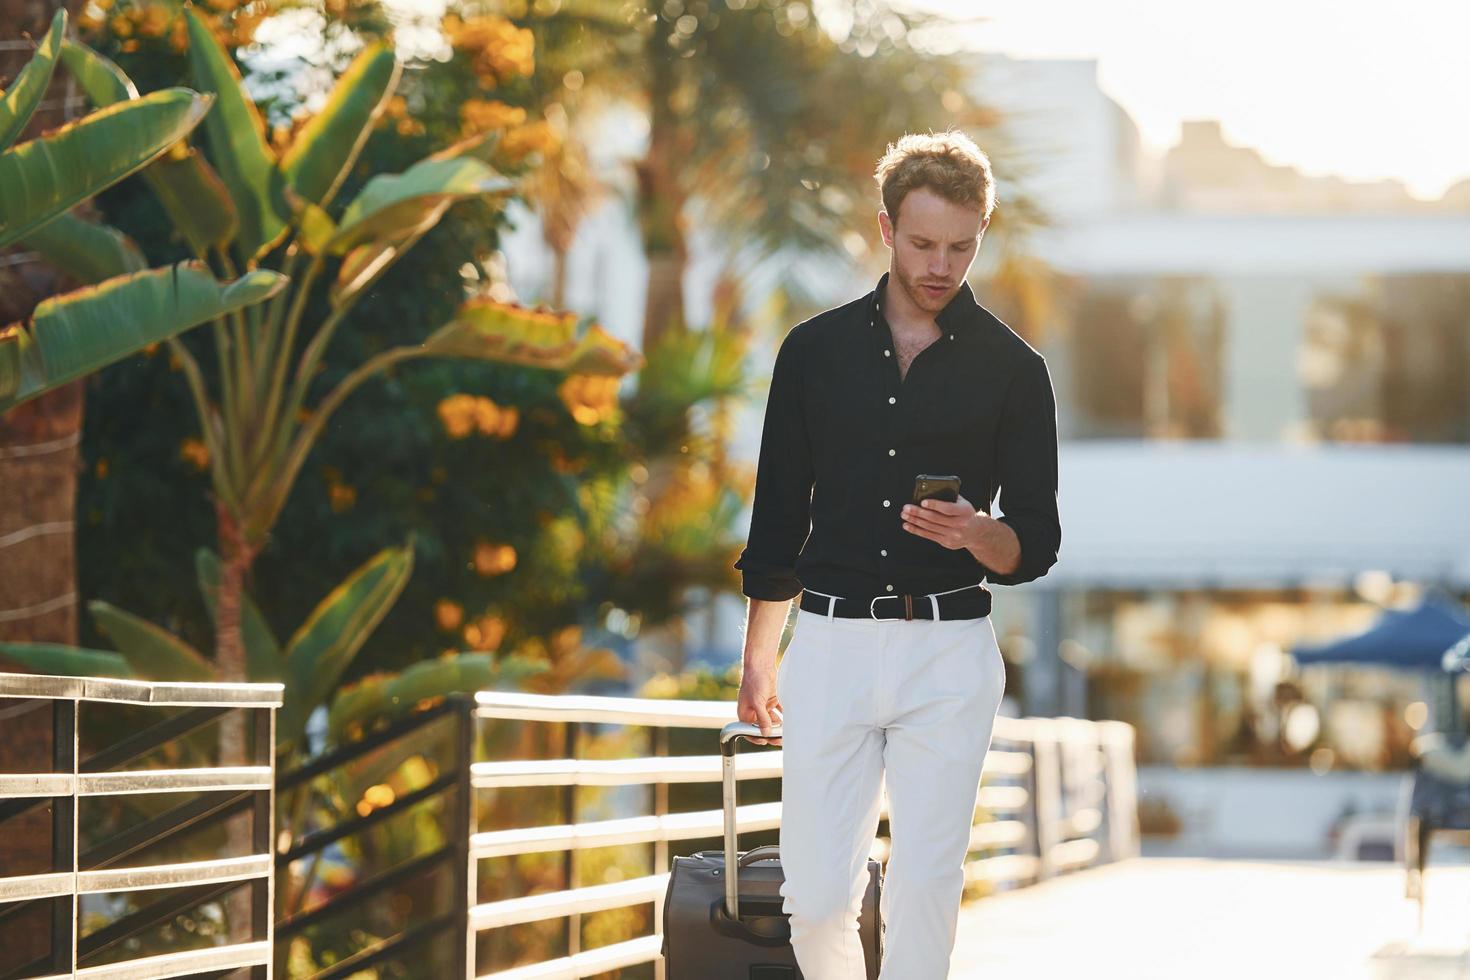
730,736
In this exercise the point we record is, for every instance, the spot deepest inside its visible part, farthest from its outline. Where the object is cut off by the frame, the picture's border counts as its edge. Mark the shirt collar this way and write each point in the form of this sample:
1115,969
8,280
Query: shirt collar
957,312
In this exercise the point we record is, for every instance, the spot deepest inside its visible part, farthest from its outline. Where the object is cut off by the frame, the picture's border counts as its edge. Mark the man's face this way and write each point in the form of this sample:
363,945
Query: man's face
934,241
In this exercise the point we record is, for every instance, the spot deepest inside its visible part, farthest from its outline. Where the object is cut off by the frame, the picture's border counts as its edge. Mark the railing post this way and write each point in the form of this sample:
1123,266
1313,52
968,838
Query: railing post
1122,790
660,846
569,858
1046,798
464,825
65,758
263,833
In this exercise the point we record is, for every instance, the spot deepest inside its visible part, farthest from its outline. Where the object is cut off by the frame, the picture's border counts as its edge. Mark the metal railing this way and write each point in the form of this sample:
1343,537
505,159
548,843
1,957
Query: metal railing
216,792
448,786
1059,794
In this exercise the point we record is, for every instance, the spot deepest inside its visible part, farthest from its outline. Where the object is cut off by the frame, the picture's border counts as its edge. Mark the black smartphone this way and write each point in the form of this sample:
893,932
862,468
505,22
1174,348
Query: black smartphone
939,487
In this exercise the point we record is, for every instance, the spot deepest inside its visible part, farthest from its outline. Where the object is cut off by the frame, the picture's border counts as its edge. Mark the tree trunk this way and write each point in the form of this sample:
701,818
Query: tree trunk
558,278
39,440
661,194
39,461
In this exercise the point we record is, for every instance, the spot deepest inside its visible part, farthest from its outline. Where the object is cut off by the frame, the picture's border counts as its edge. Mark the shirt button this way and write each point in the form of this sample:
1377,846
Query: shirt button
885,503
884,552
951,336
893,452
891,399
890,588
887,353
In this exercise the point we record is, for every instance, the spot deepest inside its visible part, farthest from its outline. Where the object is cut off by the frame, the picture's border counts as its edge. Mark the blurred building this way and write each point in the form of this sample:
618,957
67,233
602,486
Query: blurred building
1263,382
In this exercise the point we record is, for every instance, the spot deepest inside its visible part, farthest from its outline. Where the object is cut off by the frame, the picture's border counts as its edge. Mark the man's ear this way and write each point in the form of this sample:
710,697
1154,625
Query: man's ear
885,225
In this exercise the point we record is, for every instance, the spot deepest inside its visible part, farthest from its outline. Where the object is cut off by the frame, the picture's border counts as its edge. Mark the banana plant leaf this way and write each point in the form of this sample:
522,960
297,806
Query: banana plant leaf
86,251
326,147
153,652
504,332
47,176
67,661
325,644
80,332
262,650
19,102
388,696
98,76
399,205
195,198
237,146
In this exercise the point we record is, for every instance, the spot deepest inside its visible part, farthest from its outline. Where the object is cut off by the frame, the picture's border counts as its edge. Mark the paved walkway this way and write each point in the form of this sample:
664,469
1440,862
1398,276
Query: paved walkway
1176,918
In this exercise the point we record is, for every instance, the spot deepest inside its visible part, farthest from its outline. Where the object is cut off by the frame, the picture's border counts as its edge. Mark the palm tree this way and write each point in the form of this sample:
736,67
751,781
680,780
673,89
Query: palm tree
761,119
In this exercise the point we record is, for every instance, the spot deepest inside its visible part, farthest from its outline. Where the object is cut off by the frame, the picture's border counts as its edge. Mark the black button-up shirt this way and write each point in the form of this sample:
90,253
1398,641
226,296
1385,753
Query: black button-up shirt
844,437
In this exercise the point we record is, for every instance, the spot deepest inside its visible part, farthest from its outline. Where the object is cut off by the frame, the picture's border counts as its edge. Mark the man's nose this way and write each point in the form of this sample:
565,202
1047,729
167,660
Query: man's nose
939,264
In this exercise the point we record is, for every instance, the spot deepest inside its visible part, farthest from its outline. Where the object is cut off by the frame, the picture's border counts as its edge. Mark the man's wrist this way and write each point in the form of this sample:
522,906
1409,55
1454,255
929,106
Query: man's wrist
991,541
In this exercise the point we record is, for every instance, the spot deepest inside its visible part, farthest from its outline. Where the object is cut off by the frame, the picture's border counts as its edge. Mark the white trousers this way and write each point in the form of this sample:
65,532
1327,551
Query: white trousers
905,707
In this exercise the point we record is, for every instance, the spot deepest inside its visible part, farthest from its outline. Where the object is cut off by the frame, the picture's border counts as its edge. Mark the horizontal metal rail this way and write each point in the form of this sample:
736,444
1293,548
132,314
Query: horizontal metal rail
182,963
662,769
221,789
658,712
174,875
1059,794
217,780
550,905
175,693
613,956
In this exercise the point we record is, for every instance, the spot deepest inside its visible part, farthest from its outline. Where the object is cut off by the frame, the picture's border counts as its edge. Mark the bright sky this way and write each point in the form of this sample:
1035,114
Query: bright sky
1358,88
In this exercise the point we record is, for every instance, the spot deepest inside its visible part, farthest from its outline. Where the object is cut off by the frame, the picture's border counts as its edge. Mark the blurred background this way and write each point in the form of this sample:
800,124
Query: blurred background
1246,266
1240,234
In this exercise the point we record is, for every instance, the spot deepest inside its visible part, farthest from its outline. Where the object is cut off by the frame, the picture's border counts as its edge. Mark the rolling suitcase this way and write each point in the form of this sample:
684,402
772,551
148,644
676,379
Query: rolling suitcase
718,926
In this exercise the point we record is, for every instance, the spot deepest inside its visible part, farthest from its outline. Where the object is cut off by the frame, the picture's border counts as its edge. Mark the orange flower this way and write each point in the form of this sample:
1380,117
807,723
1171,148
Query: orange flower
590,398
448,615
494,559
342,496
485,115
533,137
154,21
498,50
196,452
463,414
485,633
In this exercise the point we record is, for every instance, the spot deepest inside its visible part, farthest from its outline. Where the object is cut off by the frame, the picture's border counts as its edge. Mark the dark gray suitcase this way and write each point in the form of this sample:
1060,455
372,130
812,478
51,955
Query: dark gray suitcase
718,928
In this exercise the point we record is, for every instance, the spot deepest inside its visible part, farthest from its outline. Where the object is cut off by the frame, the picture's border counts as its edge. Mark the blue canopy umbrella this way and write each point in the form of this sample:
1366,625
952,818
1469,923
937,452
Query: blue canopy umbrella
1411,638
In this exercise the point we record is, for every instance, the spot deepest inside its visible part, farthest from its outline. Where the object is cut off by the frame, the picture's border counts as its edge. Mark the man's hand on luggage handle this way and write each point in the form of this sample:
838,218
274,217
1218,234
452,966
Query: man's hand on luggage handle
758,703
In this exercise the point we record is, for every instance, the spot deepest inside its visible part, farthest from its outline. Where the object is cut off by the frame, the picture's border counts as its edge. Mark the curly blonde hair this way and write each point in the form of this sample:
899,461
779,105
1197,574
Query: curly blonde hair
948,163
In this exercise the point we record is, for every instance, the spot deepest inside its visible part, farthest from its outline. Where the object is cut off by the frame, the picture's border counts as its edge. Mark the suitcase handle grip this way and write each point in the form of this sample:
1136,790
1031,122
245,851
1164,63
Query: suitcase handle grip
766,852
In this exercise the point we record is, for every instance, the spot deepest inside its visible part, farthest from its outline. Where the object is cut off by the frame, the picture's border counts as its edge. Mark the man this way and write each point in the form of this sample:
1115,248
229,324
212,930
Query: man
893,678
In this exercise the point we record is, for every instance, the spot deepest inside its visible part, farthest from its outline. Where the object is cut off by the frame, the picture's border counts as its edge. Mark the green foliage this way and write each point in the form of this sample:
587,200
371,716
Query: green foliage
322,647
67,661
151,652
78,333
43,178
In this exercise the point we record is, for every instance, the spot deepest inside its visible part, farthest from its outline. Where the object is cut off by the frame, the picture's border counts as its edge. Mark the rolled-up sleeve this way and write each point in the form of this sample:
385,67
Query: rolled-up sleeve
780,518
1026,460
